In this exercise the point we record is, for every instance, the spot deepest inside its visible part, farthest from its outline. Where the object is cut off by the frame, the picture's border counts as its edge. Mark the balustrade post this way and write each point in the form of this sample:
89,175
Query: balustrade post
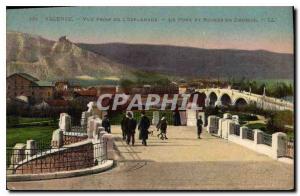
279,144
31,148
57,139
18,153
108,146
65,122
258,136
243,132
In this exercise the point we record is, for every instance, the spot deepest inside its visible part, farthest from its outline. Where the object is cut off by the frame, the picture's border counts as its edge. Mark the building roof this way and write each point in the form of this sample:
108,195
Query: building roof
62,82
44,83
26,76
86,93
57,102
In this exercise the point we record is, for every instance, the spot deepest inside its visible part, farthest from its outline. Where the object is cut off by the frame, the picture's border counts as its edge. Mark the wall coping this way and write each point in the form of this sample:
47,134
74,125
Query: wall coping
62,174
70,133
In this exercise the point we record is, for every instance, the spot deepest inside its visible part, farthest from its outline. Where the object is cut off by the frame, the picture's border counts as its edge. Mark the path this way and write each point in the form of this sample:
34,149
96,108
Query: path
182,162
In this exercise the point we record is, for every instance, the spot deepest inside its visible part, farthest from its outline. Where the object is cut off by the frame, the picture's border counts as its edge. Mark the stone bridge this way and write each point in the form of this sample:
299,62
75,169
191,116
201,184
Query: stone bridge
227,96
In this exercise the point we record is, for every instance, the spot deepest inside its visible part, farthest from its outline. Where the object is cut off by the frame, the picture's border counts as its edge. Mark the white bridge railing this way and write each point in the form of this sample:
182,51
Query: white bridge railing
274,146
262,101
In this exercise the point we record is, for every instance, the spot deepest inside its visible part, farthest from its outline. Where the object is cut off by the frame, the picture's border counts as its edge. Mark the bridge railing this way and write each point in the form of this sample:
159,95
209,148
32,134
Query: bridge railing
276,145
290,148
54,159
267,139
250,134
259,98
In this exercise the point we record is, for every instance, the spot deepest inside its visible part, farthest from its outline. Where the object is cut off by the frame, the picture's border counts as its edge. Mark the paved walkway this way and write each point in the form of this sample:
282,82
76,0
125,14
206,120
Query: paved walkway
182,162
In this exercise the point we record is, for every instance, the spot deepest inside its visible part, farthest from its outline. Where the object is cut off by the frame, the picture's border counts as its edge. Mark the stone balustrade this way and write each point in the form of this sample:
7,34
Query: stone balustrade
88,147
65,122
57,138
273,145
213,124
109,147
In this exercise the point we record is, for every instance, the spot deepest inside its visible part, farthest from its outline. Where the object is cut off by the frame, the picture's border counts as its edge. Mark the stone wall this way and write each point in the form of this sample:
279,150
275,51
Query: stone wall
71,150
70,139
74,158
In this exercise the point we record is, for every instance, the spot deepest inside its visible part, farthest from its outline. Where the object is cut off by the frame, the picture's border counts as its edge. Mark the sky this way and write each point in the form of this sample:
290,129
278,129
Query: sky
249,28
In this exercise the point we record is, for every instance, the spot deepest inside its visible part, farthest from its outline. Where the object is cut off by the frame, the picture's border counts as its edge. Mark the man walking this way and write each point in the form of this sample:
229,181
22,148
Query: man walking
143,127
131,126
162,125
123,126
199,126
106,124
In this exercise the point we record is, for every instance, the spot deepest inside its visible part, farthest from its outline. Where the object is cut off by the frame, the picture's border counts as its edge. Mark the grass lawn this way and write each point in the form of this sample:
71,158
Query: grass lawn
17,121
21,135
260,126
29,120
263,127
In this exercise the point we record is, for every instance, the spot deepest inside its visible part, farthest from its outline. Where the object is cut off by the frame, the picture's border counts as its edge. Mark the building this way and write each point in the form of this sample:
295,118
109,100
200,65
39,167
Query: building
107,90
19,84
42,90
22,84
64,86
83,97
170,89
61,86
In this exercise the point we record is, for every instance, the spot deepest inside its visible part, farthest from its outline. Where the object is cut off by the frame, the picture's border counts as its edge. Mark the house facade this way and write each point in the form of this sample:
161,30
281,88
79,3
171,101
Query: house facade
19,84
22,84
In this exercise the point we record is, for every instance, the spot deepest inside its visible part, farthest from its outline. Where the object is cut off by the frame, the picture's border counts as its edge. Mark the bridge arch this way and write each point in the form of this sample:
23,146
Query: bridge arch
200,100
239,102
225,99
212,98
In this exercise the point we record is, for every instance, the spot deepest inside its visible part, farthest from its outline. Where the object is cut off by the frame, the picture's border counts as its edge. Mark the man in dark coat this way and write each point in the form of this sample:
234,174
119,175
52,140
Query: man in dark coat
199,126
176,118
162,125
123,126
131,126
106,124
143,127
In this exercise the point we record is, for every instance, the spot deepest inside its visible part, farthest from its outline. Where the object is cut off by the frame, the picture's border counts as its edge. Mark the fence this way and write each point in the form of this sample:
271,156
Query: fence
267,139
78,129
77,134
290,148
213,124
250,134
54,160
73,137
236,130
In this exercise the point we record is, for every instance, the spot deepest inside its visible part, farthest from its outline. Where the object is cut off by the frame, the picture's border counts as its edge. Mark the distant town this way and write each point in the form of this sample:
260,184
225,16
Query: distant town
24,89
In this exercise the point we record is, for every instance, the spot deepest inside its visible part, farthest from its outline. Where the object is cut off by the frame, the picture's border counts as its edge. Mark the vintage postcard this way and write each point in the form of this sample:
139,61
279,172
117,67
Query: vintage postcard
150,98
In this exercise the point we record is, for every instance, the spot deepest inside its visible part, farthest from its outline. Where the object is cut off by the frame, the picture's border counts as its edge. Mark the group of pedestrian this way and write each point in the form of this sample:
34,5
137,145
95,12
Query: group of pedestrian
129,125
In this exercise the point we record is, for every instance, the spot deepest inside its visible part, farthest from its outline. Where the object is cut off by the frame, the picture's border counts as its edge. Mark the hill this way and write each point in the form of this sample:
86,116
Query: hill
48,59
197,62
